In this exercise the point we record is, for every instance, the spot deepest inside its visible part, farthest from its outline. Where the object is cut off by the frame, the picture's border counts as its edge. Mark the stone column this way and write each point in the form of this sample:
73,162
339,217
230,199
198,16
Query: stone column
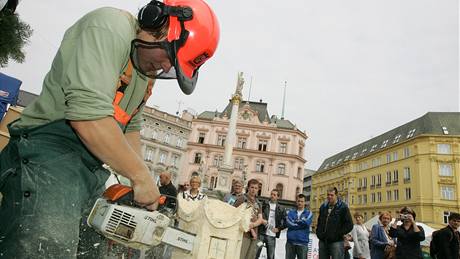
224,181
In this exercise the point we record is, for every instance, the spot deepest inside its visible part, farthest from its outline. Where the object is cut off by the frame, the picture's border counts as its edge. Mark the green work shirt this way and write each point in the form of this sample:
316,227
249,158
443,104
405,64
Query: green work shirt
83,79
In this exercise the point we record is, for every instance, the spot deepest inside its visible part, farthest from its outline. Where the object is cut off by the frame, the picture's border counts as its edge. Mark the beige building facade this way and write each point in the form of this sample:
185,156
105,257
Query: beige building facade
266,148
164,141
415,165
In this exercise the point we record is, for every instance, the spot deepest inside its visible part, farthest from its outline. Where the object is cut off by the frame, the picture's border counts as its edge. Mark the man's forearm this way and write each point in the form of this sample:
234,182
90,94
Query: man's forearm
134,140
106,141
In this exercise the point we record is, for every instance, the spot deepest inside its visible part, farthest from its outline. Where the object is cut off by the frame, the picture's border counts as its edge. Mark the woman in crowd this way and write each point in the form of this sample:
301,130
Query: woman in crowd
408,235
360,235
380,238
194,194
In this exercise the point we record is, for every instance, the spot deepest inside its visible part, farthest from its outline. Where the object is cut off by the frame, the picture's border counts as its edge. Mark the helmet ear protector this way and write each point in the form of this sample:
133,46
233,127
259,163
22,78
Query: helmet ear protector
155,14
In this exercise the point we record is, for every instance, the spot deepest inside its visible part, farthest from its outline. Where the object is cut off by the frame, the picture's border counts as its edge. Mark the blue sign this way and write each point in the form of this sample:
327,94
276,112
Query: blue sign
9,90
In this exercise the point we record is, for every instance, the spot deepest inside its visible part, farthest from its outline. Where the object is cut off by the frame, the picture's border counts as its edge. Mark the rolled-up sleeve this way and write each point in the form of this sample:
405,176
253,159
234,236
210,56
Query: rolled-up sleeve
91,73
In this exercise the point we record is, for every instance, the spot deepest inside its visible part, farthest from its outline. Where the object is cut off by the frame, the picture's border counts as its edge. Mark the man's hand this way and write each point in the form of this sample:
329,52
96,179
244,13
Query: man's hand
275,230
146,192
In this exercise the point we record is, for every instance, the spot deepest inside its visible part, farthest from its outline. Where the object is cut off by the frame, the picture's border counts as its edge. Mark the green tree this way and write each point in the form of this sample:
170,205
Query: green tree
14,35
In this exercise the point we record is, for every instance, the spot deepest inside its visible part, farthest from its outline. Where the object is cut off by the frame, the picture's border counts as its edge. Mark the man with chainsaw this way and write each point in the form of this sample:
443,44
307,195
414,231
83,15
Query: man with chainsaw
89,113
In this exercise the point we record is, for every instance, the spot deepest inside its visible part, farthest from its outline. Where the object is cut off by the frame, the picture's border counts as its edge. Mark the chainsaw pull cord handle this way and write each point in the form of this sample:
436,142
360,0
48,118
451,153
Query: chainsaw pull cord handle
122,194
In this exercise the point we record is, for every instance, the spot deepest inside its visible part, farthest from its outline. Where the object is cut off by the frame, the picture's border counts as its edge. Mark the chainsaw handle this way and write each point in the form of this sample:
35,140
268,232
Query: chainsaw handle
123,194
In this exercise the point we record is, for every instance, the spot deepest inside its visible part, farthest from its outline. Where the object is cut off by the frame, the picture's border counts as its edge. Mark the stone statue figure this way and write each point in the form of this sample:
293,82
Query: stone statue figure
239,84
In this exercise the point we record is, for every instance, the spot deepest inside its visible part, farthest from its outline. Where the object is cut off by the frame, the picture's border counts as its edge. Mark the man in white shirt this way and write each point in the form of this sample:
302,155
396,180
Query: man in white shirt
274,214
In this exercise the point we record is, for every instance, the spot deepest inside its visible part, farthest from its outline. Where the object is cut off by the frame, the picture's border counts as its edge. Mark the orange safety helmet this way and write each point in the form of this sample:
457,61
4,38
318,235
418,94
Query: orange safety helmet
193,36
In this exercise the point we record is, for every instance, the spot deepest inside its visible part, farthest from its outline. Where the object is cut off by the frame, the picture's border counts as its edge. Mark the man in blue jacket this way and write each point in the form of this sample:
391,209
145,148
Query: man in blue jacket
298,223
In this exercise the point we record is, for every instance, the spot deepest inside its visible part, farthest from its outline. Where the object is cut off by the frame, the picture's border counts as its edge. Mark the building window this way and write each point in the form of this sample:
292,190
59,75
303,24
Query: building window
379,180
365,182
201,138
445,131
360,199
411,133
388,195
218,159
406,174
242,142
179,142
395,156
354,155
444,149
300,150
373,148
148,155
379,197
221,140
396,195
447,192
388,180
260,165
408,194
175,160
384,144
388,158
239,163
162,158
280,188
299,172
281,168
197,159
365,199
373,181
395,176
167,137
406,152
283,148
154,134
396,139
373,197
445,217
262,145
445,169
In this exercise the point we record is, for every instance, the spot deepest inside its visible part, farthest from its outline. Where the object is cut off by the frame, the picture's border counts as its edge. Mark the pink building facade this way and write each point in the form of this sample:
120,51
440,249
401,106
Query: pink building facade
266,148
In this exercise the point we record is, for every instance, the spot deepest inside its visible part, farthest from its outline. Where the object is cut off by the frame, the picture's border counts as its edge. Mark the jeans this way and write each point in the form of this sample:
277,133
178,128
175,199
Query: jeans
296,250
49,182
270,243
334,250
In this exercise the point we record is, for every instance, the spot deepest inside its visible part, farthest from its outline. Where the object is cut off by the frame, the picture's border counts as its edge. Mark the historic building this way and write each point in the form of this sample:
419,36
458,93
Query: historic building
266,148
164,141
416,165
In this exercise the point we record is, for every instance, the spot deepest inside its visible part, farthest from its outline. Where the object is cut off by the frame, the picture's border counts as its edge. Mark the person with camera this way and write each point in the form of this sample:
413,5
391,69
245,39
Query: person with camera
408,235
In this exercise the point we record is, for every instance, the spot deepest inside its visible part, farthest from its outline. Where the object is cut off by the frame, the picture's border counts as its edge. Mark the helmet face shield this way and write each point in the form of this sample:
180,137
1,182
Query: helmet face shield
141,51
148,57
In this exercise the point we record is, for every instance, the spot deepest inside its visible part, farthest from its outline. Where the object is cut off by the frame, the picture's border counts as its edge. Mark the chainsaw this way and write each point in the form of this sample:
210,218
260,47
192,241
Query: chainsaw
117,217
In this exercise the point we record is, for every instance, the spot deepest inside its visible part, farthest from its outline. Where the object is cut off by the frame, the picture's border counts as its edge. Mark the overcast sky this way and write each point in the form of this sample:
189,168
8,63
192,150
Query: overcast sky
355,68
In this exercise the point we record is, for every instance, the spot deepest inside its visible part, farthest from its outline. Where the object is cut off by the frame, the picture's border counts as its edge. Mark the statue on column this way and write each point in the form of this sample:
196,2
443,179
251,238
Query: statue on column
239,84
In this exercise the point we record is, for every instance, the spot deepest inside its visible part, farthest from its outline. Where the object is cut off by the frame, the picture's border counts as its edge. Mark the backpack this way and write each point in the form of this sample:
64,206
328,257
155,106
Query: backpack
434,243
